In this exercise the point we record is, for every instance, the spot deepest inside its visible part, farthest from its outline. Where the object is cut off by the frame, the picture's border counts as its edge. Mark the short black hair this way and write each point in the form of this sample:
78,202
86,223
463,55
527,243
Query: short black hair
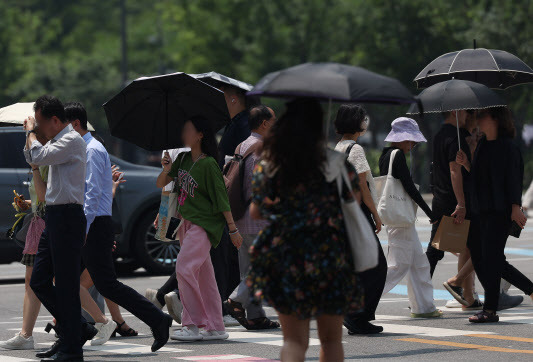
258,114
350,118
74,111
50,106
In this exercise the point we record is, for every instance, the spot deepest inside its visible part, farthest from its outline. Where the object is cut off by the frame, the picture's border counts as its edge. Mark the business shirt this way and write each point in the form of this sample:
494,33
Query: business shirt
65,154
246,225
98,181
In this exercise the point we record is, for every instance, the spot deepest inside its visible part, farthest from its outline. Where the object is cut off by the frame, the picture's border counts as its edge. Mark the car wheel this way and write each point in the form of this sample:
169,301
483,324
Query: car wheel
157,257
126,266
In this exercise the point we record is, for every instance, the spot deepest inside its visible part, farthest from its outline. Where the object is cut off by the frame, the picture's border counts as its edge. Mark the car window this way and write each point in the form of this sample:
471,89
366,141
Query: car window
11,145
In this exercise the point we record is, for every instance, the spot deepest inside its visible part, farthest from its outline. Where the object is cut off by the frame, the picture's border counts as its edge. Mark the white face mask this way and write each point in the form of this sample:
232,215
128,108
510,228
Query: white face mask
364,126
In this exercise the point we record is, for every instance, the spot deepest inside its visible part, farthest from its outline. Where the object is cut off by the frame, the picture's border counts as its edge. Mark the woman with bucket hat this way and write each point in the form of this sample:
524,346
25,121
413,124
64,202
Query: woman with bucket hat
406,256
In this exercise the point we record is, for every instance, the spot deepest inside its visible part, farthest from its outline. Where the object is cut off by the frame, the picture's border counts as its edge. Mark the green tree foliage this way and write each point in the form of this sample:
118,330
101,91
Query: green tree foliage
71,48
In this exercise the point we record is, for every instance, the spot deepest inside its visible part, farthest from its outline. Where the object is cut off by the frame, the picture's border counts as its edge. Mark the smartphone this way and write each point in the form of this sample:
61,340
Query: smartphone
121,176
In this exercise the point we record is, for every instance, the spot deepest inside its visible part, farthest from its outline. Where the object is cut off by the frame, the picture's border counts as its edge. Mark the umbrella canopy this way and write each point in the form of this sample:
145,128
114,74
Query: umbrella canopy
15,114
151,111
333,82
457,94
217,77
493,68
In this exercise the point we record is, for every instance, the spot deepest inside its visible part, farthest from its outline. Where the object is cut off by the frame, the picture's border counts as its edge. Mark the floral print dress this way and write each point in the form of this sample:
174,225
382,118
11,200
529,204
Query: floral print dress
301,263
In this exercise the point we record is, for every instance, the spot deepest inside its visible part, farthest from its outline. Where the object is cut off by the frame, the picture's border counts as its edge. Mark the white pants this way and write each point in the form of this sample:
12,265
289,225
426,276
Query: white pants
406,257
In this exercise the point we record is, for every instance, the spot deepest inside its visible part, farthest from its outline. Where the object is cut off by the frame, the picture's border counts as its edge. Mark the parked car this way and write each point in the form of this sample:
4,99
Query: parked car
137,200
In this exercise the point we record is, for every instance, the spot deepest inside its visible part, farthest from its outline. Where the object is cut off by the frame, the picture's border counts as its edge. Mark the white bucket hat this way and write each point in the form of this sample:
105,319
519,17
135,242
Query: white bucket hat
405,129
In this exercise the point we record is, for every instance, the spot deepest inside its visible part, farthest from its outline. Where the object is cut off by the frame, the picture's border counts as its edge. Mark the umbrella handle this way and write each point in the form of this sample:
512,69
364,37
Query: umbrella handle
458,135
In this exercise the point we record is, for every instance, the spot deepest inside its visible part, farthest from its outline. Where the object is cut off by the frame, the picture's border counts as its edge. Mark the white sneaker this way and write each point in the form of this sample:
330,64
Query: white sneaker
151,294
187,334
229,321
18,342
104,332
174,306
214,335
453,304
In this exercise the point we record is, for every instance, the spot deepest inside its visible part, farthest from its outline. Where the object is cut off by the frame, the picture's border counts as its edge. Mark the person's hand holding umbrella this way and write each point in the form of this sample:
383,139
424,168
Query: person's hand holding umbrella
462,160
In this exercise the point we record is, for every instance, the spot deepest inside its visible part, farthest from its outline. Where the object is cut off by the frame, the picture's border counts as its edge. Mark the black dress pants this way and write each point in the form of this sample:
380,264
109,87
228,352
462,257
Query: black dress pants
98,259
225,260
59,256
373,280
487,238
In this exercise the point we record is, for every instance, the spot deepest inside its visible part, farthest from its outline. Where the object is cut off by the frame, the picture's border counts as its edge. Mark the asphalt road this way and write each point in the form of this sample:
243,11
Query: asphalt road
449,338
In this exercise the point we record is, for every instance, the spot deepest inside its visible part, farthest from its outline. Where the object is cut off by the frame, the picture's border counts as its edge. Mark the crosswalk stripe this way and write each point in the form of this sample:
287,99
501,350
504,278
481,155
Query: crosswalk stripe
465,345
127,348
227,357
15,359
264,338
505,338
426,331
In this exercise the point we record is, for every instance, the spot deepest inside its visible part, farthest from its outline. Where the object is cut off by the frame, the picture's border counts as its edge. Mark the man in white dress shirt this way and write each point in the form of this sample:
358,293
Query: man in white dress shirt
59,253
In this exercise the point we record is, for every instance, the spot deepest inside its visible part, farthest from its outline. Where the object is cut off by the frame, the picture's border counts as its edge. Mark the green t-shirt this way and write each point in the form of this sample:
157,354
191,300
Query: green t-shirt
205,196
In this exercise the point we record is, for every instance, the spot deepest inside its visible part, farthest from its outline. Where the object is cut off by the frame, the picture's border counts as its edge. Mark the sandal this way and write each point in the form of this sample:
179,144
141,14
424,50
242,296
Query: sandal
456,292
262,323
129,333
484,317
236,310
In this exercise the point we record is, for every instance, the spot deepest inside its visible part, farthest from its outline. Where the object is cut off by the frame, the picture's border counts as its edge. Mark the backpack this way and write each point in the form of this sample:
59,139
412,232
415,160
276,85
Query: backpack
234,179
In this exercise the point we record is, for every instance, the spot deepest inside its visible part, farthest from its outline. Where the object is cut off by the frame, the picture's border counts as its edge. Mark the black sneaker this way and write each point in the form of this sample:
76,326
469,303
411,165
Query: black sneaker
361,327
507,301
50,351
456,292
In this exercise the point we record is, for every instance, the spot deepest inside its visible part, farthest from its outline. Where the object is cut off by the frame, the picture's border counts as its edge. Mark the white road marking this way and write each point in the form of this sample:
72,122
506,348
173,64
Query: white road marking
426,331
15,359
263,338
127,348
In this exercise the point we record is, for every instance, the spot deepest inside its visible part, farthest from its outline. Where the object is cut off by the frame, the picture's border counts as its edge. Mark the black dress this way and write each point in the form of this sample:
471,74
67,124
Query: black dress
497,172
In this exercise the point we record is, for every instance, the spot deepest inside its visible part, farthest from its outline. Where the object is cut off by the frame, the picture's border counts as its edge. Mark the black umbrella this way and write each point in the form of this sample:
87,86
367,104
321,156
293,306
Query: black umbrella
151,111
214,78
455,95
493,68
333,82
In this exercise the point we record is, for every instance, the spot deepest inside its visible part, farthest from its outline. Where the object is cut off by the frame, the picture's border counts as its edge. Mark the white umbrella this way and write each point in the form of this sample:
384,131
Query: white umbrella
16,114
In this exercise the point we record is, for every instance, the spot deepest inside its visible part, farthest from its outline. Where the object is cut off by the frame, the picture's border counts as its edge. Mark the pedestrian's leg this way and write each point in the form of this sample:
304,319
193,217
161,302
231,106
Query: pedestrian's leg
191,257
419,285
330,334
399,257
170,285
97,256
116,315
295,337
31,306
210,295
42,277
67,233
241,294
220,260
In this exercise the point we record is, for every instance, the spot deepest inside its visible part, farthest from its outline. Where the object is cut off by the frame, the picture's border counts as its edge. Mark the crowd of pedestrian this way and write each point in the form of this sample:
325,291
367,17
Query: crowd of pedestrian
258,219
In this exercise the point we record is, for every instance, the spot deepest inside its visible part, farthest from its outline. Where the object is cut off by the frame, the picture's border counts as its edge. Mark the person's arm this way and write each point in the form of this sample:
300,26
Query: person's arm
93,184
514,185
401,172
457,185
39,183
369,201
116,179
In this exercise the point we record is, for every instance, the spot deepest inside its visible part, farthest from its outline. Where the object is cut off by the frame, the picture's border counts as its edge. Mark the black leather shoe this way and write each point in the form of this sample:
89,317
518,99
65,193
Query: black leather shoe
60,356
51,351
161,333
361,327
88,332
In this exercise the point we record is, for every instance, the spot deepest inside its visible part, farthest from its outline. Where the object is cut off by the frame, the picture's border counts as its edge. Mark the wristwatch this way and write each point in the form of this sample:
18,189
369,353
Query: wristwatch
32,131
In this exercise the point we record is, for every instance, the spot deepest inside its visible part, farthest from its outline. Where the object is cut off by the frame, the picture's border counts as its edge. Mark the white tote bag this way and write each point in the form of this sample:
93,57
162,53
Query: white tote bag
395,207
360,234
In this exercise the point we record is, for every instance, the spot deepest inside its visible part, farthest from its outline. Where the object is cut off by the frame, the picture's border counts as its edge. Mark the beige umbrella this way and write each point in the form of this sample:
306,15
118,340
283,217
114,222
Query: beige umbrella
15,114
